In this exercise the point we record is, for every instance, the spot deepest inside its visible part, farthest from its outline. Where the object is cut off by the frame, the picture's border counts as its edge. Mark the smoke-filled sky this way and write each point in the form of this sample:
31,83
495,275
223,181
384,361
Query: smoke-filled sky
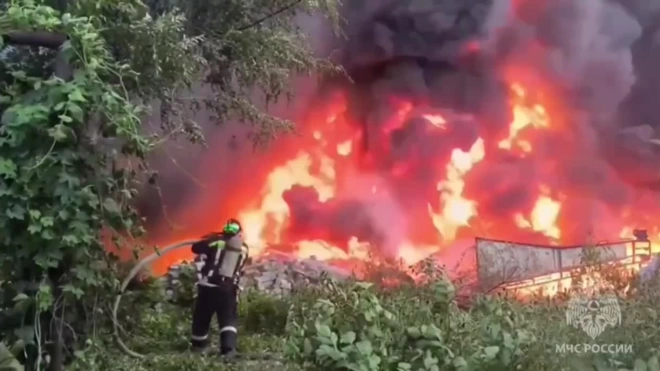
592,62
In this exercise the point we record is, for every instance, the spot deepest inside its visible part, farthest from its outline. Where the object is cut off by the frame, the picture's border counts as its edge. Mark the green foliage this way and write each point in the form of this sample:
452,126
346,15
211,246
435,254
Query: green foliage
354,330
249,51
262,313
359,327
61,186
162,331
166,59
184,286
70,150
8,361
58,191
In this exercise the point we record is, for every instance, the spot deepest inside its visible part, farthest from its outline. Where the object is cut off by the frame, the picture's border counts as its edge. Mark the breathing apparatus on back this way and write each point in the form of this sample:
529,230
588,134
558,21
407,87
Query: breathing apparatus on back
231,251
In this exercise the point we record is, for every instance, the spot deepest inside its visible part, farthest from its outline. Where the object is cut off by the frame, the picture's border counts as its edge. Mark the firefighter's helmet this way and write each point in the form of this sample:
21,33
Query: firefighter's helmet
232,227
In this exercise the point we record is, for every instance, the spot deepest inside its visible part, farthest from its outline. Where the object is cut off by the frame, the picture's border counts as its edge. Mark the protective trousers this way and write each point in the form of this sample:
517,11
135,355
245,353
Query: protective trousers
222,302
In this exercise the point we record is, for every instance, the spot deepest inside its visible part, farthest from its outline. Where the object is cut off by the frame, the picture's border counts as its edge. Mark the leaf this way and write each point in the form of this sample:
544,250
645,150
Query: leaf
47,235
90,36
307,347
16,212
332,353
76,112
414,332
25,333
653,364
374,362
20,75
7,168
460,363
20,297
363,285
57,133
70,239
65,118
323,330
18,347
430,361
432,332
348,337
111,206
364,347
376,332
47,221
77,292
491,351
34,228
63,214
333,339
76,96
22,305
7,360
640,365
508,341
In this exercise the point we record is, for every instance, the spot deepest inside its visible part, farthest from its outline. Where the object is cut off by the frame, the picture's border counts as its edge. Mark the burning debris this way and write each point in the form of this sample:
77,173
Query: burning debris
465,119
276,275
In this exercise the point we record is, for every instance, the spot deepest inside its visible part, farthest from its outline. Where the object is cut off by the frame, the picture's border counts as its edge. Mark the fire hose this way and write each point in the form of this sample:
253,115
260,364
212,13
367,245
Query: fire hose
136,269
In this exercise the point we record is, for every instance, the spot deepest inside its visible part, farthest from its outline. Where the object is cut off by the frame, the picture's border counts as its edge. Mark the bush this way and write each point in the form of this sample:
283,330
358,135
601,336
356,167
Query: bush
184,289
262,313
358,327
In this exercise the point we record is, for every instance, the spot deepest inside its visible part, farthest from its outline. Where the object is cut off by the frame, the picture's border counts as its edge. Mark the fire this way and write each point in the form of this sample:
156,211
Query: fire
320,180
524,115
268,220
457,210
398,176
543,217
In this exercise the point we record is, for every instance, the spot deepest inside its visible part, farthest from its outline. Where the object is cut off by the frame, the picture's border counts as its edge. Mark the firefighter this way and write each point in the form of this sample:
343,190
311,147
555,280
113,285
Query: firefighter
221,260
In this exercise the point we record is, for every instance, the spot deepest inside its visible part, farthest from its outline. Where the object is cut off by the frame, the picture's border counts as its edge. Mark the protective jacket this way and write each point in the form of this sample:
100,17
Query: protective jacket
221,260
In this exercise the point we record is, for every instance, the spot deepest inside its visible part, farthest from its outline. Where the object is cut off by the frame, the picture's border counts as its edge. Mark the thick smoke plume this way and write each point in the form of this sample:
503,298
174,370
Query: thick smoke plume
458,58
414,63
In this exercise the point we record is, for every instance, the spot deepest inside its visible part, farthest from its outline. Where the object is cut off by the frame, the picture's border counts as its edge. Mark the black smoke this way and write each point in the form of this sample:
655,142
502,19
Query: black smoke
451,56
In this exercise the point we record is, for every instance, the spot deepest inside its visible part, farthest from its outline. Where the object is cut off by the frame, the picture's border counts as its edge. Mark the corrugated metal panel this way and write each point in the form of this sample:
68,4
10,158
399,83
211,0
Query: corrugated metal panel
505,261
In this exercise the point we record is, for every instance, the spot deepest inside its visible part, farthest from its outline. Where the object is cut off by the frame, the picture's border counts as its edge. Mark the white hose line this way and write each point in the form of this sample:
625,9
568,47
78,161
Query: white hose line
138,267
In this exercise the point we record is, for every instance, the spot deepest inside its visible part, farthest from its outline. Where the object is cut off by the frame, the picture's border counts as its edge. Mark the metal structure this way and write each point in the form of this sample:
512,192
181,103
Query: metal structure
519,265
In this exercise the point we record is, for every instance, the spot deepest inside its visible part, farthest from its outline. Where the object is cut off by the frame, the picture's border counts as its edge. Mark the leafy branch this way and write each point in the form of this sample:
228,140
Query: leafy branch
270,15
58,191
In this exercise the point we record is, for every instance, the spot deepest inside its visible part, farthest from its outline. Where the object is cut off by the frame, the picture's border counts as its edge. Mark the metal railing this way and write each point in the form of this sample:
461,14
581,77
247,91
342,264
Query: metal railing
562,262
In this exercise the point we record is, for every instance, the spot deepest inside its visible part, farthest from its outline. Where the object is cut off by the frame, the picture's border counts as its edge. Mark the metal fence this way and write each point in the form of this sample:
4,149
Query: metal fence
520,264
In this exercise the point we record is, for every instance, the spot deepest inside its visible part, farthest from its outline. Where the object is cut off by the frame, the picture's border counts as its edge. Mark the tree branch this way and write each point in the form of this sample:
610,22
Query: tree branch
49,40
271,15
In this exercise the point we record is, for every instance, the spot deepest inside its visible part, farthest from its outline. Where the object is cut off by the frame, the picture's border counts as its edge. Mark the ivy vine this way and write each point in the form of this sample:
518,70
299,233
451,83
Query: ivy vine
69,152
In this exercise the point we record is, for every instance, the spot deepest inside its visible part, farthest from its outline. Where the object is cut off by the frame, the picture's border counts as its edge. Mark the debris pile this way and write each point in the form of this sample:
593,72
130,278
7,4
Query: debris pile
274,274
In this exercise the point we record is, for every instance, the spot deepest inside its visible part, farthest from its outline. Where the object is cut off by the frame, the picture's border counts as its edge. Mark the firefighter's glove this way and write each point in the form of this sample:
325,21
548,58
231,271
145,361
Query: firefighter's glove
220,244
